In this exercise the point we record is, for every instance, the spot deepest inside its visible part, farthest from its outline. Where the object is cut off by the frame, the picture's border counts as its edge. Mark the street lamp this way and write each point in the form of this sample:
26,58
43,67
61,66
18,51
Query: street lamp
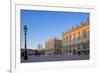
25,51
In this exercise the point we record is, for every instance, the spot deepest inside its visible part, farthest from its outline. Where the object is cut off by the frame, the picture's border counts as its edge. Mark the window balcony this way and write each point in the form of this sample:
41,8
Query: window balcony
76,41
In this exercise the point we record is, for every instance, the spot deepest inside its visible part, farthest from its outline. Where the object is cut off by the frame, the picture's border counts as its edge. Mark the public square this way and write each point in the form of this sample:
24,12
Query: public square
50,58
54,36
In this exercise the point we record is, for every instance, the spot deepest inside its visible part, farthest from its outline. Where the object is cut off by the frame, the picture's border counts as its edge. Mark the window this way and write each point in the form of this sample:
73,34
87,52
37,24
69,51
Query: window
70,37
84,33
63,39
66,38
78,35
74,36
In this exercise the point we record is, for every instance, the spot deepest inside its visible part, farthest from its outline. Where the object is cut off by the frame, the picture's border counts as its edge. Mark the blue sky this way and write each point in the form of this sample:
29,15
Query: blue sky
43,25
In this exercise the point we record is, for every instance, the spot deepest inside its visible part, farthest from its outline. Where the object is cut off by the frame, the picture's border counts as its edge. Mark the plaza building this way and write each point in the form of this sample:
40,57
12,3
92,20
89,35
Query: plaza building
29,51
75,41
53,47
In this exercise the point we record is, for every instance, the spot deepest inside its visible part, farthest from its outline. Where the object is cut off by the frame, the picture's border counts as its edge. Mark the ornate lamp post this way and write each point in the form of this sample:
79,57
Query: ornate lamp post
25,52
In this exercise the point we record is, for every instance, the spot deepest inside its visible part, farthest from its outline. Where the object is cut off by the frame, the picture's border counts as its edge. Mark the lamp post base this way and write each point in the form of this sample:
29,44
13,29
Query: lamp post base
25,55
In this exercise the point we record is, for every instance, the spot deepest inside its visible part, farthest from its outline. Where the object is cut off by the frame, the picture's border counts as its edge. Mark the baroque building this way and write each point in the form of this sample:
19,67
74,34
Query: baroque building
76,40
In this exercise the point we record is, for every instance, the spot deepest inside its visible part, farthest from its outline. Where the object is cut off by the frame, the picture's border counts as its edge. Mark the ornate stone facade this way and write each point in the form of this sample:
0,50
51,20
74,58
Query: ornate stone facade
76,40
